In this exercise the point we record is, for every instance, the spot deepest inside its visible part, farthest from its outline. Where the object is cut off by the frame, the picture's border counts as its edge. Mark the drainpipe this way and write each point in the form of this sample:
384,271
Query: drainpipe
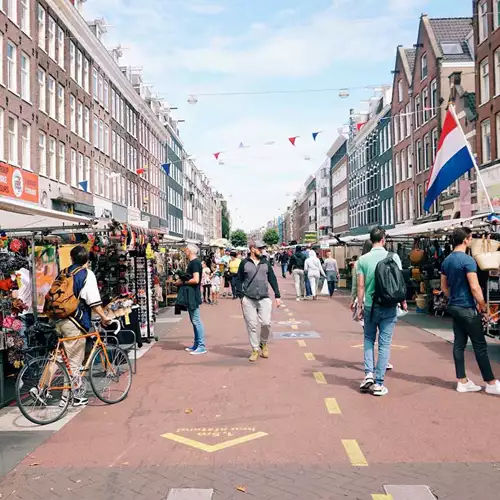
413,166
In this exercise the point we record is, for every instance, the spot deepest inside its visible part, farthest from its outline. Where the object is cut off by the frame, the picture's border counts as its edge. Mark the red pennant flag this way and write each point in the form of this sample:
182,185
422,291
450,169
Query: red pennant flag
216,155
293,139
359,126
140,171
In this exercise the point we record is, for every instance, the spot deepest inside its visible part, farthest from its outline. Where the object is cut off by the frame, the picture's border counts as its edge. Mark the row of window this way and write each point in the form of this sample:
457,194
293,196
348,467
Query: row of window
484,18
17,77
387,212
364,213
340,218
18,11
10,150
488,79
486,141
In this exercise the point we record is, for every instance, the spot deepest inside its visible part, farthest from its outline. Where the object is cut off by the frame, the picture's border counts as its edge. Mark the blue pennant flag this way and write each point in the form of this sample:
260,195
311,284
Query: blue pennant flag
315,134
166,167
84,185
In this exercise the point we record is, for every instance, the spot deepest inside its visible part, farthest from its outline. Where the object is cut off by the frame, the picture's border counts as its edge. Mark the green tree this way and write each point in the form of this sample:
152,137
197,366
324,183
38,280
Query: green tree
271,237
226,224
239,238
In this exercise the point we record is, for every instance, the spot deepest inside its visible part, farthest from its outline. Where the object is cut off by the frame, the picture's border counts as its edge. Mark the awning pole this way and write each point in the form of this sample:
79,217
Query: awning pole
33,280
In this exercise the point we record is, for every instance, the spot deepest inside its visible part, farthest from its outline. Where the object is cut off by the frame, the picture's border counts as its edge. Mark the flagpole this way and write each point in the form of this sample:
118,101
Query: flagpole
478,173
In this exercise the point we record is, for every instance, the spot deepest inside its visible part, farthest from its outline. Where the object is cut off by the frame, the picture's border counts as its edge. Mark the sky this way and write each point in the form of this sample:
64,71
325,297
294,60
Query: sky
197,47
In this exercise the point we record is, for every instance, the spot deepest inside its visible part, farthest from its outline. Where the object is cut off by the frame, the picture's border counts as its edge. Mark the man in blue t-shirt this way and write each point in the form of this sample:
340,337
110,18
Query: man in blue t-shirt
460,284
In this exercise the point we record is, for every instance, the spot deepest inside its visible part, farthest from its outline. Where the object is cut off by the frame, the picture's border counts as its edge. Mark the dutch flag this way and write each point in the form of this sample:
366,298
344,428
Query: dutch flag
453,159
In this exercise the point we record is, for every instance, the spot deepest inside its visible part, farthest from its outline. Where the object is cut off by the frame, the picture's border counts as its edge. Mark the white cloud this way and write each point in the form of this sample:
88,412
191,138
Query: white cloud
200,7
302,49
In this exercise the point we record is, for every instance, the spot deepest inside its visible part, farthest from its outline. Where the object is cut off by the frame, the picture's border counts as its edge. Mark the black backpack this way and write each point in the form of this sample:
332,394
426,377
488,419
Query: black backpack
390,286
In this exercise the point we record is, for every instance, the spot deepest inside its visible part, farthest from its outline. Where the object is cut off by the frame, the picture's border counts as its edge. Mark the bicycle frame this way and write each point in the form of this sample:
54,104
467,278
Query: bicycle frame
60,352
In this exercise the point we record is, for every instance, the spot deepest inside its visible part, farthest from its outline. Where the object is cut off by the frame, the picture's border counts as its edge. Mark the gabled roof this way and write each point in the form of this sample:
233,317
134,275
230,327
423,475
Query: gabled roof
410,57
450,29
407,57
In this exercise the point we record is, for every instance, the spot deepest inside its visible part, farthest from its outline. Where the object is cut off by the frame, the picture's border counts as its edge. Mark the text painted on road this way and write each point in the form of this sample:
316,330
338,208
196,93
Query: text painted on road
296,335
216,431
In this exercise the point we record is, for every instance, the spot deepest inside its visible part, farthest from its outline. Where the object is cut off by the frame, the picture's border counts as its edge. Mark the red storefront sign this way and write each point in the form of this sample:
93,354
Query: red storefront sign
19,184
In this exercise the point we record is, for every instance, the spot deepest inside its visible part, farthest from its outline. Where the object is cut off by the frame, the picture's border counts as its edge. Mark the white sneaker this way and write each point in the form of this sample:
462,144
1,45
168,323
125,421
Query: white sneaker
298,299
389,366
367,383
469,386
379,390
493,389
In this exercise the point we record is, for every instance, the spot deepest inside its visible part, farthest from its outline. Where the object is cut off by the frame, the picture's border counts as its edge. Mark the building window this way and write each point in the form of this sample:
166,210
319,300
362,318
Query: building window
101,135
404,173
484,72
12,10
425,105
420,200
42,152
11,67
51,85
106,139
95,131
80,169
405,205
86,74
398,168
418,111
43,90
423,66
72,166
72,113
402,122
52,38
497,71
25,77
486,141
396,129
25,146
52,158
80,118
433,97
106,96
87,173
79,68
86,124
95,80
434,145
101,89
60,47
60,104
72,60
419,157
62,162
483,21
496,14
96,177
400,90
427,152
25,15
42,42
12,140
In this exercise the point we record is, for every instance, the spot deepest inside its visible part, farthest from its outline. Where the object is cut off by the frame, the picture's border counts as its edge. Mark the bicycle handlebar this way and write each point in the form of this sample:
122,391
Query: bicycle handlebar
118,326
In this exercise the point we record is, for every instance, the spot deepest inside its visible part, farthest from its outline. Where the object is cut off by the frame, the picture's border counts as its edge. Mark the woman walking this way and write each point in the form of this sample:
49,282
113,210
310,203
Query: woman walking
314,271
332,272
206,282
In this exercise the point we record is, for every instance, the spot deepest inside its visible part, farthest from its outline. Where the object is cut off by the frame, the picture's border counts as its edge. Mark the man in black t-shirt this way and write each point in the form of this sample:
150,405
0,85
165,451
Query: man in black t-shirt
193,281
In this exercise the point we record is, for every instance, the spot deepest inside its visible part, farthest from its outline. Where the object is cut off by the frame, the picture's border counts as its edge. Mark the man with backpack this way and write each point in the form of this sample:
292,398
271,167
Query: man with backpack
296,267
381,288
70,302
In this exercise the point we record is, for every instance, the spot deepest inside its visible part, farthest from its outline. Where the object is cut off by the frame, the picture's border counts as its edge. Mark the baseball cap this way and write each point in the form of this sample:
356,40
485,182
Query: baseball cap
257,244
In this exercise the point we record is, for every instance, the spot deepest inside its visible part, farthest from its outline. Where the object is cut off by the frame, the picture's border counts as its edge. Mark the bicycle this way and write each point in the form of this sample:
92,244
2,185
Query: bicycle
46,385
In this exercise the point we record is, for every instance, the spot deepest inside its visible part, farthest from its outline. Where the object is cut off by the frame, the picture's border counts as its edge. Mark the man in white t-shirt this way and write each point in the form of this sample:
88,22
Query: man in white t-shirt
85,287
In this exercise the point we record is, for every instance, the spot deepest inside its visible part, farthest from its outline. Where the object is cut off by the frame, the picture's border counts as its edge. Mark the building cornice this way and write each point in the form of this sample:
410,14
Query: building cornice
74,21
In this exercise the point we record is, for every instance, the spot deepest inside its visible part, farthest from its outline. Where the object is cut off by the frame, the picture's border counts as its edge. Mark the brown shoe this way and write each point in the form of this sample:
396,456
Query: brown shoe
264,351
254,356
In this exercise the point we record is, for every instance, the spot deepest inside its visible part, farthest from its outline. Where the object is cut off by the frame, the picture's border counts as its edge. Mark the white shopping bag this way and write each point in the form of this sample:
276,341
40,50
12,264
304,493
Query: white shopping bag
324,290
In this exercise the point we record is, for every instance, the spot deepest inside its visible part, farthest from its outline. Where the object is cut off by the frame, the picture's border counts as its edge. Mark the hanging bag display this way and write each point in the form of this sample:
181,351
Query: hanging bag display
479,244
417,254
488,259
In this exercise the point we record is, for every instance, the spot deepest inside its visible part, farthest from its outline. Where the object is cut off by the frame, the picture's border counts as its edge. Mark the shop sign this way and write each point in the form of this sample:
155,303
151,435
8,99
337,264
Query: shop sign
18,184
103,208
310,237
134,215
324,245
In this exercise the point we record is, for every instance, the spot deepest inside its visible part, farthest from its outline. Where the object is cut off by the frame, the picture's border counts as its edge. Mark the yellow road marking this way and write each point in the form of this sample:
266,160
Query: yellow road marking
211,448
302,343
309,356
332,406
320,378
354,453
377,496
294,327
290,314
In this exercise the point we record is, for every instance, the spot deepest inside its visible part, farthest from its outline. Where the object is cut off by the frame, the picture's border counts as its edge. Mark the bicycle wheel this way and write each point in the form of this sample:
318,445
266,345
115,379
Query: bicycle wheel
40,387
110,378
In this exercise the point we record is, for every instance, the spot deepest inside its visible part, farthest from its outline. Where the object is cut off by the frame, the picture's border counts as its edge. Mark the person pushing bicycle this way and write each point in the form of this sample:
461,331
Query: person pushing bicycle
70,302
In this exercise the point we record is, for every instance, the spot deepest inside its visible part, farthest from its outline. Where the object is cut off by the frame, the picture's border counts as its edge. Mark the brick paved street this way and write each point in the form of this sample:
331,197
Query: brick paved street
288,427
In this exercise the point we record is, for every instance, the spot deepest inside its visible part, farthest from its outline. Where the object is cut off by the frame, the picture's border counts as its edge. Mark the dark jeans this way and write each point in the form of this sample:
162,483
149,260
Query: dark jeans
284,265
308,287
206,292
233,285
467,324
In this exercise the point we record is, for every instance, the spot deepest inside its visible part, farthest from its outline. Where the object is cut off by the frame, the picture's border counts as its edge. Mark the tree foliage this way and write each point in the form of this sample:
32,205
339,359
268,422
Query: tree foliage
226,224
239,238
271,237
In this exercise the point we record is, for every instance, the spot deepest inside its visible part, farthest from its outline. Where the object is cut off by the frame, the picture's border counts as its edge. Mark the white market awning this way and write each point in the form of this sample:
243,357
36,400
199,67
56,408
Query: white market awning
15,214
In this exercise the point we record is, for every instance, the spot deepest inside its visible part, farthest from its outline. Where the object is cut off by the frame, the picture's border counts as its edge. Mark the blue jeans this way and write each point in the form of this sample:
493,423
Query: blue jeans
199,330
308,287
384,319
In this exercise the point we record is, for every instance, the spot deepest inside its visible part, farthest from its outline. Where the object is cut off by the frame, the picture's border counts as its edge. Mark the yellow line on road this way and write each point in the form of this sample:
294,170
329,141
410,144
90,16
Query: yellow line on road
309,356
295,327
290,314
332,406
354,453
377,496
320,378
302,343
215,447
